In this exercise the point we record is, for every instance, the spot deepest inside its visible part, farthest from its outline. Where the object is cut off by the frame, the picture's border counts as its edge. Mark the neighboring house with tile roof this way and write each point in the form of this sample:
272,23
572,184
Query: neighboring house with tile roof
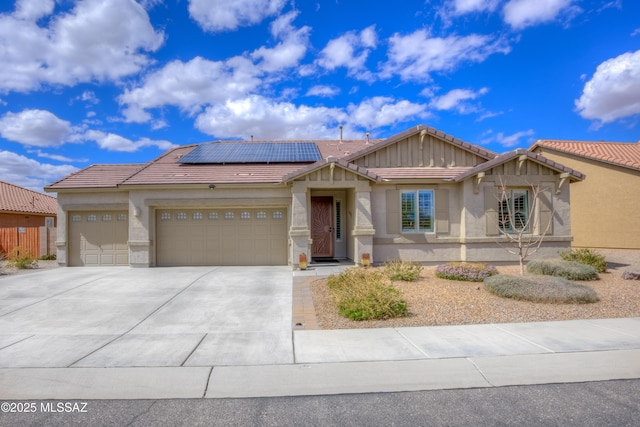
419,195
605,207
20,207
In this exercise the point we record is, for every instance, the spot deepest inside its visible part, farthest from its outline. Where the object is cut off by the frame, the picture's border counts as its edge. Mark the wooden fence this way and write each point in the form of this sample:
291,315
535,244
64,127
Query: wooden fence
39,241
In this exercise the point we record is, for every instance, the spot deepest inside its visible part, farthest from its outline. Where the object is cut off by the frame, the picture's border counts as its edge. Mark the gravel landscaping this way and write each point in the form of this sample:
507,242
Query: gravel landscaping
433,301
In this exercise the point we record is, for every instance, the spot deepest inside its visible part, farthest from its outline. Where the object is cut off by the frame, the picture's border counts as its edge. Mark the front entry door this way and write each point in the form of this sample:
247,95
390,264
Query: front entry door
322,227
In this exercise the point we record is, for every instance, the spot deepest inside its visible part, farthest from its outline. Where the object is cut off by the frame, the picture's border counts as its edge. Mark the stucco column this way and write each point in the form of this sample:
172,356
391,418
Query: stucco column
61,236
299,233
363,230
139,225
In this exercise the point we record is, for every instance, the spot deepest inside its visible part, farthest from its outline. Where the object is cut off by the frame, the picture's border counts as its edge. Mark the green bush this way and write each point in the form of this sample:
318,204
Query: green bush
397,269
567,269
467,271
49,257
545,289
586,256
21,258
366,294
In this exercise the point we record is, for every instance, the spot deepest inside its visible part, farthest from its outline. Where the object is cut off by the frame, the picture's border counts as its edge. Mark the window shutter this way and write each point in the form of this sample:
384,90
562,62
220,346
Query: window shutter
393,212
442,211
546,211
491,211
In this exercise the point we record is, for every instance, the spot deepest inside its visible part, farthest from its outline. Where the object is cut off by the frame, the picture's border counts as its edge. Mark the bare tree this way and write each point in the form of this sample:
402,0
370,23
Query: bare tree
519,221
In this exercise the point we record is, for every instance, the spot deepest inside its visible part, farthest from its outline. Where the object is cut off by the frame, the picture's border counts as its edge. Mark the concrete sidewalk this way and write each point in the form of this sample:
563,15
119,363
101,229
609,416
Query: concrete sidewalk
373,360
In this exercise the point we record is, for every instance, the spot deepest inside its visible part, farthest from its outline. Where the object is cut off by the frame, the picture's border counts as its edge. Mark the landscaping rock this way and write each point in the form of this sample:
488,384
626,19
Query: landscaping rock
631,274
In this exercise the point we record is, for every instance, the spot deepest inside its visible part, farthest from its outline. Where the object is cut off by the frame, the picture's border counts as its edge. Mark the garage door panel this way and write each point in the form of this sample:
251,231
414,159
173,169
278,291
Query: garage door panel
98,238
221,236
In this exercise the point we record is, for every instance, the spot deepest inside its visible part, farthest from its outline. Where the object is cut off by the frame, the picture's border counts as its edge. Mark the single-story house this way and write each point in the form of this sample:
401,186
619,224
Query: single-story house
604,207
419,195
20,207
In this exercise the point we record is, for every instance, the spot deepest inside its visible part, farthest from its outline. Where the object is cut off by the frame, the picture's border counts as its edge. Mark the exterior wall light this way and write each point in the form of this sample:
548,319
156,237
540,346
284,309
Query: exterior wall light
212,186
366,260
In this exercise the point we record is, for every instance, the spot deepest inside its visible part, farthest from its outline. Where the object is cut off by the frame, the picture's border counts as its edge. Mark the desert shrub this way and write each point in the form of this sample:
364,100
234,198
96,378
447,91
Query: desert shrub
48,257
586,256
366,294
467,271
547,289
21,258
397,269
567,269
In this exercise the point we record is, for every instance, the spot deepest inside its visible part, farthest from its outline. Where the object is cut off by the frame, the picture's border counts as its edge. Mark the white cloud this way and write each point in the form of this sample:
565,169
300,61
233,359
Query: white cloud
200,82
222,15
513,139
97,40
455,99
462,7
32,10
323,90
28,173
635,32
190,85
38,128
520,14
56,157
266,119
384,111
113,142
614,90
289,51
415,56
351,51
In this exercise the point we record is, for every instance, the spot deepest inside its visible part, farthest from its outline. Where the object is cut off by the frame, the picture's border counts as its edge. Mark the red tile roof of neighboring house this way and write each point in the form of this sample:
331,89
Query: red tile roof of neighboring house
18,199
626,154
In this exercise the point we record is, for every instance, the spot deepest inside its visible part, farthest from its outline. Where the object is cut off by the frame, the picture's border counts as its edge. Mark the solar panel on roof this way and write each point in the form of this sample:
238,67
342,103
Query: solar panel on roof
263,152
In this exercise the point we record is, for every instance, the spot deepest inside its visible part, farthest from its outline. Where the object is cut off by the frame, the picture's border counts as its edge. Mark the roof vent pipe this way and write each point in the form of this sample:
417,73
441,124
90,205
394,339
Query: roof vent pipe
340,133
367,134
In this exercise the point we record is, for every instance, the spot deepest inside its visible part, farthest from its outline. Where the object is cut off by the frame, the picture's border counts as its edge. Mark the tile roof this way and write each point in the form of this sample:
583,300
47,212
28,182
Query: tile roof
486,154
503,158
18,199
96,176
626,154
367,173
419,172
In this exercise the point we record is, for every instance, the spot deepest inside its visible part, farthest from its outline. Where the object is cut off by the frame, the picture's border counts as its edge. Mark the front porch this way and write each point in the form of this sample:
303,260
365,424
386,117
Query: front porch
331,214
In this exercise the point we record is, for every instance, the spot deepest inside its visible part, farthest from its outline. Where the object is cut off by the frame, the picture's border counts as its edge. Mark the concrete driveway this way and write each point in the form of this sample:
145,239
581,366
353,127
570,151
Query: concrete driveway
124,317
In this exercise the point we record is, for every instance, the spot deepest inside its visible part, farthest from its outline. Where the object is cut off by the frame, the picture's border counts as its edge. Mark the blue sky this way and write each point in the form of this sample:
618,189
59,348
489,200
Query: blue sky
119,81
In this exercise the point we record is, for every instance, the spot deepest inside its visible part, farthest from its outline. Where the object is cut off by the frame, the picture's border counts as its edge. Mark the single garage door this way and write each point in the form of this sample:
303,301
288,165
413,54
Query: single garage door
221,237
98,238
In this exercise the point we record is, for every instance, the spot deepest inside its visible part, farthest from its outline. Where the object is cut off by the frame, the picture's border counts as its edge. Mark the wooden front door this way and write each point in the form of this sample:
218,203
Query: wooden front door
322,227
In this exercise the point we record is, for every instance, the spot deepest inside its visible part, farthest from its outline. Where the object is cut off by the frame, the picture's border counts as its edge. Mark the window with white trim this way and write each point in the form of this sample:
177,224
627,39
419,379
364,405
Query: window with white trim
513,210
417,211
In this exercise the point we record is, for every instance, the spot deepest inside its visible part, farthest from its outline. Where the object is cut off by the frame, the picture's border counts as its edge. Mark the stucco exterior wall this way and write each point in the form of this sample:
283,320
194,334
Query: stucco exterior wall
605,206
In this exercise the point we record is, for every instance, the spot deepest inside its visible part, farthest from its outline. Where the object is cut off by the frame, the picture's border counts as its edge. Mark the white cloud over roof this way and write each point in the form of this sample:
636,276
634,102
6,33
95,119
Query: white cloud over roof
415,56
613,92
95,41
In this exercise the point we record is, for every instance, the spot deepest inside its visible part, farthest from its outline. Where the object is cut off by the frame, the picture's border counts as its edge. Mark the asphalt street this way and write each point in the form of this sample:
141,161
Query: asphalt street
606,403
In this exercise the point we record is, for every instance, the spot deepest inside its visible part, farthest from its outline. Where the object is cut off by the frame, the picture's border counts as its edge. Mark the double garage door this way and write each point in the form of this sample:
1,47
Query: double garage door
221,237
98,238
